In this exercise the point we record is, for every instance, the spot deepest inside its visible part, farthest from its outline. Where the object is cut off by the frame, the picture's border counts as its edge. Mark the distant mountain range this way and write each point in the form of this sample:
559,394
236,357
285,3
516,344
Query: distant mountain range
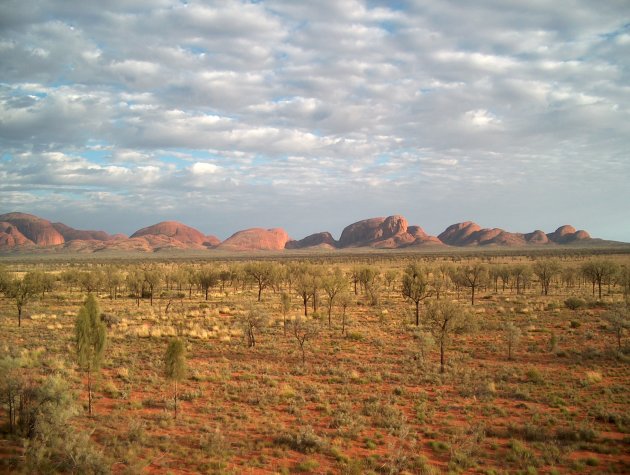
21,232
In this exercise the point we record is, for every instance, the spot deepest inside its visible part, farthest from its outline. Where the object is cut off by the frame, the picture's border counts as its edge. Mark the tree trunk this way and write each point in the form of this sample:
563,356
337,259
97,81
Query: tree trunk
442,357
175,399
89,375
472,299
417,313
19,316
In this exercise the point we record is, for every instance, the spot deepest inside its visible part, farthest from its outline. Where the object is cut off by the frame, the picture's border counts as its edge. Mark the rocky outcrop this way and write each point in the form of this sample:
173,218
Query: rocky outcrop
256,239
11,237
37,230
384,233
71,234
178,231
320,240
459,234
26,232
567,234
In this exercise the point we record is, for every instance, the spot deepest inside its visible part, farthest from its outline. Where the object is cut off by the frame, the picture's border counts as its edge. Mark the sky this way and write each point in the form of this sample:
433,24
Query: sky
310,116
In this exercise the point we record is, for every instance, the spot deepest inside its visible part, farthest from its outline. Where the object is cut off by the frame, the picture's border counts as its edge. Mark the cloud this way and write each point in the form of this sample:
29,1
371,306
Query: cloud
255,110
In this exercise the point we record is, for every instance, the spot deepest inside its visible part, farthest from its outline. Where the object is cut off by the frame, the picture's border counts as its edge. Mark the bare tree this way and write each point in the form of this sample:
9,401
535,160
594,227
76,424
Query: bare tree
472,276
444,319
546,270
618,319
333,284
252,322
262,273
415,287
304,331
599,271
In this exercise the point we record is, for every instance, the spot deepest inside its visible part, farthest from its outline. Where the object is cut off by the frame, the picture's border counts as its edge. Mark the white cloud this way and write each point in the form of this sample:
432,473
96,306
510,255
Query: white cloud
146,101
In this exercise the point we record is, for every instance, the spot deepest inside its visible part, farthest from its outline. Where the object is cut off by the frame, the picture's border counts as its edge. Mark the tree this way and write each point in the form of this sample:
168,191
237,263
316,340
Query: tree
618,319
415,287
112,279
90,339
333,284
22,291
135,283
10,388
343,300
207,278
285,307
599,271
390,278
252,322
444,319
152,279
262,273
175,364
512,336
521,274
472,276
304,331
304,288
545,270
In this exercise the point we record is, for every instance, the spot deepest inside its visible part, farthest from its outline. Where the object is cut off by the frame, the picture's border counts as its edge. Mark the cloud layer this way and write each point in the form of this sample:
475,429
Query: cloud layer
311,115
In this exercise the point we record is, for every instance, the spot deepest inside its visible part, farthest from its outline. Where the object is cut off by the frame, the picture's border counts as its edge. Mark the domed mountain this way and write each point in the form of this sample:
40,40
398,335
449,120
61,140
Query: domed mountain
39,231
256,239
386,233
179,232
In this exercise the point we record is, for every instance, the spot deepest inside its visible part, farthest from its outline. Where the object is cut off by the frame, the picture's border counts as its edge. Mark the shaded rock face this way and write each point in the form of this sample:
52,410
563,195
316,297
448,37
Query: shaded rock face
322,240
537,237
256,239
386,233
177,231
71,234
567,234
11,237
459,234
37,230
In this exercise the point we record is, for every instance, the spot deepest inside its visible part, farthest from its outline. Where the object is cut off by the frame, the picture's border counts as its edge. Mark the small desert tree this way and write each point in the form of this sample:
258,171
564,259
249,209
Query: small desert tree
343,301
599,271
252,322
304,331
472,276
415,287
618,319
445,319
285,307
207,278
22,291
10,388
175,364
263,273
512,337
333,284
546,270
90,339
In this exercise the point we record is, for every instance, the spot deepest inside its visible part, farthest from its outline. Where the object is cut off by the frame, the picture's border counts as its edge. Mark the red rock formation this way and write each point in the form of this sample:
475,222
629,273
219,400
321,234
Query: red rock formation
38,230
459,234
565,235
71,234
537,237
173,229
385,233
11,237
256,239
321,240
